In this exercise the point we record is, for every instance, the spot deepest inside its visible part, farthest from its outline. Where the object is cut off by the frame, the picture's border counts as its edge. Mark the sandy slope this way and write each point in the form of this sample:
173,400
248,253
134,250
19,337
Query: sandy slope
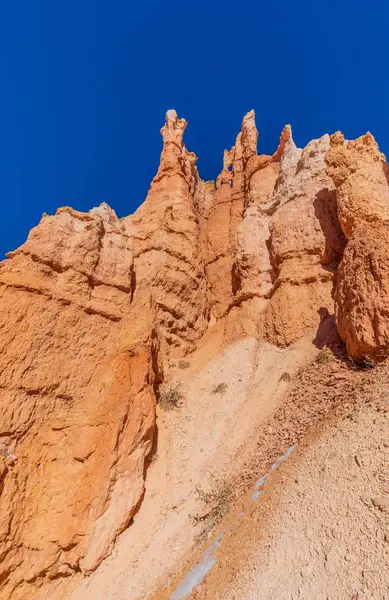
320,528
327,535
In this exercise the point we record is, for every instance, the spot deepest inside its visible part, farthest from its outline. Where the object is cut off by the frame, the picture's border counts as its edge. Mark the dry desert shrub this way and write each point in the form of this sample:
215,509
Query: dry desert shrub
221,388
285,377
170,398
217,504
184,364
324,356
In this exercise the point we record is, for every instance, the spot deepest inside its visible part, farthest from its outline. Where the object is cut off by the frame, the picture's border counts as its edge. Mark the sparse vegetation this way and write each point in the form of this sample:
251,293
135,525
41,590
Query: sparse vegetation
324,356
217,502
221,388
184,364
285,376
170,398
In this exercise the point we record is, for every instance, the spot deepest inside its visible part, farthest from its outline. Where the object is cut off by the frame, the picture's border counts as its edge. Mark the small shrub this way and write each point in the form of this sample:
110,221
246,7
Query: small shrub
285,377
170,398
324,356
218,503
221,388
184,364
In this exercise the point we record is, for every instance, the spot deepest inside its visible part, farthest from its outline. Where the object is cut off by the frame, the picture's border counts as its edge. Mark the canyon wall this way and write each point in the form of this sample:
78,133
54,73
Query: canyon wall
92,308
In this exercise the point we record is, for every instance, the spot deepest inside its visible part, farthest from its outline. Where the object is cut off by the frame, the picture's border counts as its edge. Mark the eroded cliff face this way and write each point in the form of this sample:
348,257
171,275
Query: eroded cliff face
359,171
77,404
93,307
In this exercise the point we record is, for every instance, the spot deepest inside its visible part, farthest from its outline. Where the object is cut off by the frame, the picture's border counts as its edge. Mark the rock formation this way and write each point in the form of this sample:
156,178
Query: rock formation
92,308
77,404
306,243
362,293
359,171
165,233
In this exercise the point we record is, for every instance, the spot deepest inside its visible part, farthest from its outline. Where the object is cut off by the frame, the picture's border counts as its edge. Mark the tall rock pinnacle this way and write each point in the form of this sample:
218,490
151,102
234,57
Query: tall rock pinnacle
175,158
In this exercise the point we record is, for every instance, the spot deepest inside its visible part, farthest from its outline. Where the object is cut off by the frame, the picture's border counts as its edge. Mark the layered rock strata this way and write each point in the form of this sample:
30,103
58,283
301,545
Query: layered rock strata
92,307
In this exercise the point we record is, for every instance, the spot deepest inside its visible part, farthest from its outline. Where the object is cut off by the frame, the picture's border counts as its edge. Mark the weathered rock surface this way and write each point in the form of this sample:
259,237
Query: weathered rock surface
362,293
289,240
168,257
77,409
306,243
359,171
221,224
92,308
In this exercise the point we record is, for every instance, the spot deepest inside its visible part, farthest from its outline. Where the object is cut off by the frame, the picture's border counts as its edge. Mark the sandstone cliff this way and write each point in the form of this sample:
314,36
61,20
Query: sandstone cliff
94,308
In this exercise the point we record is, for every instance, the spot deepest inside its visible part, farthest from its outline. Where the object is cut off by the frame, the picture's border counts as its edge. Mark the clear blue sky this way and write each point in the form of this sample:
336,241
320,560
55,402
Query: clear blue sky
85,85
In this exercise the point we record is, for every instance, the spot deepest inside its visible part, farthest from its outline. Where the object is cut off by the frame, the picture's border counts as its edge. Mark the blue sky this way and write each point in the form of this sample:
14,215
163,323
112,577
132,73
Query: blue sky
86,84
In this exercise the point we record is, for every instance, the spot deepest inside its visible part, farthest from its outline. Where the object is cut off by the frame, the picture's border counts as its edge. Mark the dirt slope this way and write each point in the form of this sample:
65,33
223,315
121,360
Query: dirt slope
328,525
319,528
